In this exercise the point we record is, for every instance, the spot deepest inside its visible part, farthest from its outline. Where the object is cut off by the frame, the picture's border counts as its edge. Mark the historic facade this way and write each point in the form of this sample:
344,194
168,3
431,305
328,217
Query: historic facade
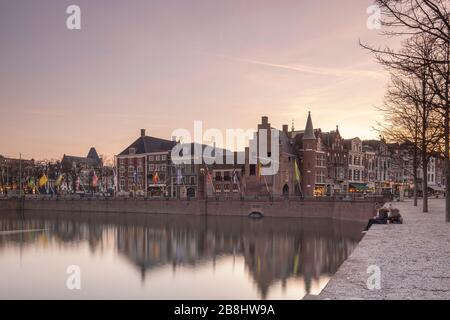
311,163
145,166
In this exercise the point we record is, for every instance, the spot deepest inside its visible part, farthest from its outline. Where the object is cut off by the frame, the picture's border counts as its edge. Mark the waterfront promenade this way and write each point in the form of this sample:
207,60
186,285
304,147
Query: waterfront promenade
414,259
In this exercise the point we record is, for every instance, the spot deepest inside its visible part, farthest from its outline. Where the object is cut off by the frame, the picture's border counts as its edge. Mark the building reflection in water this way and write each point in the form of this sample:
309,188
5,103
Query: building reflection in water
273,250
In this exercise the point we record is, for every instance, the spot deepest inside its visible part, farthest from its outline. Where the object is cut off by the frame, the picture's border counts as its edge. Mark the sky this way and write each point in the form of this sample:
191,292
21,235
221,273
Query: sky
162,64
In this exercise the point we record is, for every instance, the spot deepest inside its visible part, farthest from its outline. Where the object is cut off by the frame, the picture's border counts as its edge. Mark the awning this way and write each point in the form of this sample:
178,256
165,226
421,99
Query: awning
437,188
358,186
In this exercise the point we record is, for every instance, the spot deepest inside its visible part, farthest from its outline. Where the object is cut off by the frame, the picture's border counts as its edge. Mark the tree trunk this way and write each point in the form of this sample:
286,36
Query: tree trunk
424,164
424,181
447,139
447,162
415,166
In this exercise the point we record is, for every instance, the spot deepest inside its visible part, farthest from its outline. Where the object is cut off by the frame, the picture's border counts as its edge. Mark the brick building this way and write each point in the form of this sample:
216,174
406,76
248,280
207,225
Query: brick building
141,162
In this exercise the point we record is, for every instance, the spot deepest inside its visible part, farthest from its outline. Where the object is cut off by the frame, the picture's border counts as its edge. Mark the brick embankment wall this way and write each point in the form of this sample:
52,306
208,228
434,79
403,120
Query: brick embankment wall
9,205
342,210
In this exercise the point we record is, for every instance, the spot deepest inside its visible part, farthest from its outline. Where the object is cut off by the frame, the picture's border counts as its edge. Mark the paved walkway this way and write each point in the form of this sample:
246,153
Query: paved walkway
414,259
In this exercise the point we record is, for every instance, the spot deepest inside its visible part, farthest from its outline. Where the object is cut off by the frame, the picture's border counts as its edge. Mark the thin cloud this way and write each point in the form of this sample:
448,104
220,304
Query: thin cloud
338,72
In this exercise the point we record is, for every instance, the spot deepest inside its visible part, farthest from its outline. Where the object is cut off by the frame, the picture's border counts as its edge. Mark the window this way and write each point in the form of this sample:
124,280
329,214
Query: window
151,167
227,176
350,175
139,169
130,169
163,157
218,176
132,151
151,158
320,160
253,169
122,184
157,158
192,180
320,177
163,167
122,169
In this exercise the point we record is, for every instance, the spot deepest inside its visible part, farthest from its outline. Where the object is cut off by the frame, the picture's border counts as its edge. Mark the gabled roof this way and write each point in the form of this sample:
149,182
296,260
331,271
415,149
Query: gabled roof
92,154
147,144
70,160
329,137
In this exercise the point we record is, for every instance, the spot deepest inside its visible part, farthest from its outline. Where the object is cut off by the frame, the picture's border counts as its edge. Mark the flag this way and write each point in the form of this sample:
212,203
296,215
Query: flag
115,179
59,180
179,176
135,177
259,170
31,183
209,177
94,180
155,178
42,180
235,177
297,171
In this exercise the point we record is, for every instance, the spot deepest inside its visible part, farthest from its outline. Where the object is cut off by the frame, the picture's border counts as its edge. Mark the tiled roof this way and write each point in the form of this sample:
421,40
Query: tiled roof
146,144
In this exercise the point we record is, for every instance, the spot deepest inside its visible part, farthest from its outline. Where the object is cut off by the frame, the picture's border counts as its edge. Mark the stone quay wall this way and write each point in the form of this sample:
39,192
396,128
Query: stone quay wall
355,210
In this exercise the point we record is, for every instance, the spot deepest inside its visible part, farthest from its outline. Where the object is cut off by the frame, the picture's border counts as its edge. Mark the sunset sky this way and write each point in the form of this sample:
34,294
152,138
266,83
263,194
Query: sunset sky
161,64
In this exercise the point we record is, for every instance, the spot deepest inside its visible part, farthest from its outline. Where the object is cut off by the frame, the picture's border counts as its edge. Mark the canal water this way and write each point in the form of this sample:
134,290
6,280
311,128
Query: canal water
124,256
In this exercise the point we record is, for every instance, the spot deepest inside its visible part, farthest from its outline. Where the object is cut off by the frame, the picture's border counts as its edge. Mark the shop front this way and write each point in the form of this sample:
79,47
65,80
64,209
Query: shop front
356,188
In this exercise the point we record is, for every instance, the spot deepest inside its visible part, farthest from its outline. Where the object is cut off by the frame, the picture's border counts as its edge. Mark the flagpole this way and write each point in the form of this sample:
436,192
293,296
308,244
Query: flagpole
20,174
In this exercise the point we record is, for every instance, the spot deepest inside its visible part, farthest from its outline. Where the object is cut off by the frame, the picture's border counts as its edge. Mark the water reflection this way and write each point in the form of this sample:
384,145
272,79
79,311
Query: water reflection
263,256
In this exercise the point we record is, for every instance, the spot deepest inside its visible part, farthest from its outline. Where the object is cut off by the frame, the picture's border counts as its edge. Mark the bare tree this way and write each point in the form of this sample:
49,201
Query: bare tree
427,20
409,102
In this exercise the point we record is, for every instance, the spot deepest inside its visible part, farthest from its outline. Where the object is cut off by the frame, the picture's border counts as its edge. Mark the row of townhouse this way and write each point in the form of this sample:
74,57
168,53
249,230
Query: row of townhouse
311,163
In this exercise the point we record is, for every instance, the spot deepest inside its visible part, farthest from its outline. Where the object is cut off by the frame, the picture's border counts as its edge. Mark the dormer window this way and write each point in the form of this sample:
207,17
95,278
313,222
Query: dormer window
132,151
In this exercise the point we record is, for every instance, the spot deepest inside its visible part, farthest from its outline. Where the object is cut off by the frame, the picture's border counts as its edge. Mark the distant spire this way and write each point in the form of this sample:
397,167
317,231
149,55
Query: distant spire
337,128
309,130
293,127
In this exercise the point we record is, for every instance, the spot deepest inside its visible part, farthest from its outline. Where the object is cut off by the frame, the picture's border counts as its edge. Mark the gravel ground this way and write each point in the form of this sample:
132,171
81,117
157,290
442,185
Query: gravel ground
414,259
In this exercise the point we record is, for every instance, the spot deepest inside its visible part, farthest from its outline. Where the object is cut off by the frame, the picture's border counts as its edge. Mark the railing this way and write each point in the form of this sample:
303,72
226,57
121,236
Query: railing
230,197
217,198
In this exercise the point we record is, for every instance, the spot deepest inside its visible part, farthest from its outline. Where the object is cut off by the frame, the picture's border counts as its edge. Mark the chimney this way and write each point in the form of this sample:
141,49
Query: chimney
264,120
142,132
285,128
